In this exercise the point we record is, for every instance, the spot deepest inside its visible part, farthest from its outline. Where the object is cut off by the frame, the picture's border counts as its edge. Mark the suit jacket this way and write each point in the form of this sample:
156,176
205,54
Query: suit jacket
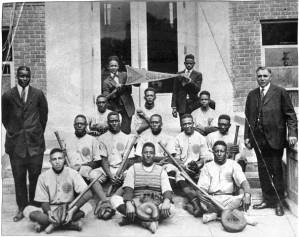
25,124
180,92
278,116
121,100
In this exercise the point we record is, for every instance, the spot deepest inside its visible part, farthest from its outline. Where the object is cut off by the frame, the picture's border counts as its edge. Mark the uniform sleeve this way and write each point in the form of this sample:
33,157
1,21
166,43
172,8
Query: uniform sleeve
132,152
79,183
95,150
71,150
205,150
139,147
165,185
129,179
171,145
41,191
103,149
238,174
177,147
204,179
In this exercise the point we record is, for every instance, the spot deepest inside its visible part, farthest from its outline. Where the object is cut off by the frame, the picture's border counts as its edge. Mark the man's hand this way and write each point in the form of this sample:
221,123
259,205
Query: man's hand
292,141
165,208
247,143
233,149
70,214
51,217
130,211
246,201
174,113
119,180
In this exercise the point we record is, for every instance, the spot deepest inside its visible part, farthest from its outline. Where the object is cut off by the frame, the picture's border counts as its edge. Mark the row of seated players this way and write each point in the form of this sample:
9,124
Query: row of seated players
91,156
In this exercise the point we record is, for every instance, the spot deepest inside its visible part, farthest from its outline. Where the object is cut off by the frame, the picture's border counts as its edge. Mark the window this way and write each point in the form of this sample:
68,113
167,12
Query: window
115,34
162,41
7,63
280,53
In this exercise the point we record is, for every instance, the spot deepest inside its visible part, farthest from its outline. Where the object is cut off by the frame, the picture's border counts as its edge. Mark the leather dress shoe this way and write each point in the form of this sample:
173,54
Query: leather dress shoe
19,216
279,210
261,205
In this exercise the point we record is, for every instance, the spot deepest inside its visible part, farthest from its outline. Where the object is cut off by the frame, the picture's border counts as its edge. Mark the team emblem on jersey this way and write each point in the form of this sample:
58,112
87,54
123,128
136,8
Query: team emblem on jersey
196,148
67,187
85,151
120,146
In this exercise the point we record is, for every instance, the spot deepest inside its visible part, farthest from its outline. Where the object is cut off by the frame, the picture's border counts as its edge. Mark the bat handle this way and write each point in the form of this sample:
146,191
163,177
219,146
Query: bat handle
50,228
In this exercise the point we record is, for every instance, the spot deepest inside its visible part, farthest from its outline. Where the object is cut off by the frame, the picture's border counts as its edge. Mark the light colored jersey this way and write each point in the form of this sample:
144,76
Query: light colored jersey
228,139
113,147
148,136
82,150
220,179
59,188
204,118
137,121
98,118
189,148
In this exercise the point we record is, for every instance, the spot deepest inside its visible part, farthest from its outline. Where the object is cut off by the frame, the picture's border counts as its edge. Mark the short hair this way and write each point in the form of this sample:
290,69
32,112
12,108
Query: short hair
263,68
23,68
149,144
112,113
55,150
204,93
81,116
224,116
156,115
149,89
186,116
113,58
191,56
222,143
101,96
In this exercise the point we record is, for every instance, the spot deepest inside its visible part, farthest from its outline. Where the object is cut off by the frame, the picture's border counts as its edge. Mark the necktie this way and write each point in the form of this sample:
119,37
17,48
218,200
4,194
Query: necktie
23,94
262,95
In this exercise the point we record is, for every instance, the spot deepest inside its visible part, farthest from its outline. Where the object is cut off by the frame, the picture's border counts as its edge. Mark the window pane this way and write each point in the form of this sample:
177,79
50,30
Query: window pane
162,41
278,33
5,46
115,34
275,57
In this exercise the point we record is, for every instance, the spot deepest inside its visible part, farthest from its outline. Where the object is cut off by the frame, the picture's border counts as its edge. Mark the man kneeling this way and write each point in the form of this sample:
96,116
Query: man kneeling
56,188
147,194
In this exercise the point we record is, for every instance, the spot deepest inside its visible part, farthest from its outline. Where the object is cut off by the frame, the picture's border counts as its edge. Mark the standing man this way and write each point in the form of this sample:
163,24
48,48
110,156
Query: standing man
270,118
24,116
118,94
185,89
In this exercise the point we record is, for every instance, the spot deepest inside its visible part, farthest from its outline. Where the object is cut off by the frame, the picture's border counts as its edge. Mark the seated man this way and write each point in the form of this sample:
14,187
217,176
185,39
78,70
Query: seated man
141,117
147,194
191,152
219,178
224,133
97,123
84,156
112,147
154,135
204,117
55,187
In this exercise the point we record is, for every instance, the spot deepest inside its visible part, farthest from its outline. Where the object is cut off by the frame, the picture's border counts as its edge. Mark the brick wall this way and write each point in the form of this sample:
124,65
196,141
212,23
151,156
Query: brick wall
29,46
246,42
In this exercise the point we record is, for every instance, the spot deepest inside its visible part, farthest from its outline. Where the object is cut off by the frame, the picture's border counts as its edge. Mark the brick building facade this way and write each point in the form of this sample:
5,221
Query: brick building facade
61,42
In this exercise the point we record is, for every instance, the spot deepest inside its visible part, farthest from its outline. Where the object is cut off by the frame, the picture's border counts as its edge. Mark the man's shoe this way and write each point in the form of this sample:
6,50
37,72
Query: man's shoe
19,216
279,210
261,205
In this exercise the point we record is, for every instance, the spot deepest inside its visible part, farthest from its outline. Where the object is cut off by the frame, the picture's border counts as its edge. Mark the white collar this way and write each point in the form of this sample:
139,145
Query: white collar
20,90
266,88
186,70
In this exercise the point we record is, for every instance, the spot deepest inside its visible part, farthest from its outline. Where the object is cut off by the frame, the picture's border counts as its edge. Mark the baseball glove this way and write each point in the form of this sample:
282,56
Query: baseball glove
104,210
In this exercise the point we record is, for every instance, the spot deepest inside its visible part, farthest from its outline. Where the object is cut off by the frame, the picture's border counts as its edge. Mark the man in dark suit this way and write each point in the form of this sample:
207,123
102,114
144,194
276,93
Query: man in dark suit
270,118
119,94
24,116
185,89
